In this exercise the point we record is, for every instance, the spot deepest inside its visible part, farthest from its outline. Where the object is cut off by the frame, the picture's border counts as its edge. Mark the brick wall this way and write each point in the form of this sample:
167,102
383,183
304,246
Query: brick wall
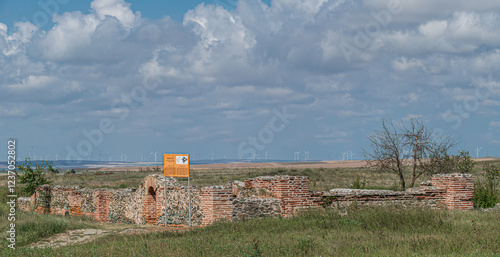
293,191
459,190
264,182
101,204
216,203
42,199
74,201
257,197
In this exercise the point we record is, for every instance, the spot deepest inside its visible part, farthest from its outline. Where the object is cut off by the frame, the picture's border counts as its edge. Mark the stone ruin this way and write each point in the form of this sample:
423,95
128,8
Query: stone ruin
257,197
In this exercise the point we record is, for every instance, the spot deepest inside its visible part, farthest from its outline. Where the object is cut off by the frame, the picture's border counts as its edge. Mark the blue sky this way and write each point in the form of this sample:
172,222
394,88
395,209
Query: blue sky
112,77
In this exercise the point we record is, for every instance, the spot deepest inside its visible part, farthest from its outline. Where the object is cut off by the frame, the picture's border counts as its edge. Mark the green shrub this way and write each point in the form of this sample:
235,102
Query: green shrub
122,186
444,163
485,192
358,184
33,177
308,171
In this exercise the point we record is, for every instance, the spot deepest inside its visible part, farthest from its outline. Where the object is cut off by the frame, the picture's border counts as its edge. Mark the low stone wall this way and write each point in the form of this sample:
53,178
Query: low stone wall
24,203
257,197
447,191
345,197
251,207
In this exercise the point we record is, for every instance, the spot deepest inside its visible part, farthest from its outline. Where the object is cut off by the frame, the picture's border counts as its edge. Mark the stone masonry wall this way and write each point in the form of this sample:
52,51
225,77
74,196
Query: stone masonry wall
177,203
24,203
447,191
253,198
253,207
117,207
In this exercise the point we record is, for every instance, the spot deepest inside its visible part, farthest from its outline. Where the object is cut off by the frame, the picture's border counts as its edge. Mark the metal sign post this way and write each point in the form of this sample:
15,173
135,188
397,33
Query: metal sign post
189,188
176,165
165,194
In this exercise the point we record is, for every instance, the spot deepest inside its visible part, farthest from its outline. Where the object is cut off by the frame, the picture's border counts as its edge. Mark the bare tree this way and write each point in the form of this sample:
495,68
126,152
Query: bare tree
397,146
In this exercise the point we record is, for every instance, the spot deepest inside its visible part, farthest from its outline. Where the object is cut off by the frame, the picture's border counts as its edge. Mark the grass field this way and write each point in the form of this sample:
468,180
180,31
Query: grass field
389,231
320,178
383,231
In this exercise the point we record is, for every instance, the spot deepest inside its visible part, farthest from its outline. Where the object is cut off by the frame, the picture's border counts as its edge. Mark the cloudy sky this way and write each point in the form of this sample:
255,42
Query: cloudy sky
280,76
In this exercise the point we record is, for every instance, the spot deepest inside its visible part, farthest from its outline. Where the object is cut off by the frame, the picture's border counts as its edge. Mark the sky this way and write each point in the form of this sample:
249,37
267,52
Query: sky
242,79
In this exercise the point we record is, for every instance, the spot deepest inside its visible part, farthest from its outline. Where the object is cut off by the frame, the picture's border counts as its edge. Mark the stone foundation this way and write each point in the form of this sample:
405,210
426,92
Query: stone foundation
257,197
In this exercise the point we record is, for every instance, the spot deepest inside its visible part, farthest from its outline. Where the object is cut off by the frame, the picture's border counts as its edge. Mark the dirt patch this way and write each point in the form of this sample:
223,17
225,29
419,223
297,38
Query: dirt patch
71,237
81,236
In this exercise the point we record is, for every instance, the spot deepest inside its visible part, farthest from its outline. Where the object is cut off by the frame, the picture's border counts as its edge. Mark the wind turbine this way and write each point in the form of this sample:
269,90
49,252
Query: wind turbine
57,157
266,155
254,155
478,149
296,156
212,158
306,155
351,154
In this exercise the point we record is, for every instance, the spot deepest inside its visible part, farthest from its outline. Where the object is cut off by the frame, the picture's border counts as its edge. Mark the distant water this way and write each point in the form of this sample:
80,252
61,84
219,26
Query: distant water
64,165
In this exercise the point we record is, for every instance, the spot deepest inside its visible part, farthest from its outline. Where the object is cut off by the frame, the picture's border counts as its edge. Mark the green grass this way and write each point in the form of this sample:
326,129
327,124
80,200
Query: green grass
377,231
32,227
321,179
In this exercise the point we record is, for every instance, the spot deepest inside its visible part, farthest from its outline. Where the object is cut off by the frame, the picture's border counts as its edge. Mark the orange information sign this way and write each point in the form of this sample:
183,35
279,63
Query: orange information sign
176,165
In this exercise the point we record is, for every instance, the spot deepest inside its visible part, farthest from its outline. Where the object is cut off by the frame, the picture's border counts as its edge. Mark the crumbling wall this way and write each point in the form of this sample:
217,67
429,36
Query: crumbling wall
178,206
446,191
153,208
459,190
257,197
255,207
216,203
134,206
293,192
116,209
24,203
